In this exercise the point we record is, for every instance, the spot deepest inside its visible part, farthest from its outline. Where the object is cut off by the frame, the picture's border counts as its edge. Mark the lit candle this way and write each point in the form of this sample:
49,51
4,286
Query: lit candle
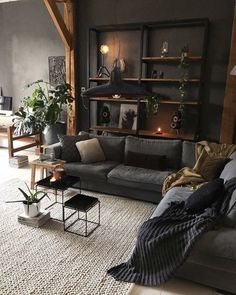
159,130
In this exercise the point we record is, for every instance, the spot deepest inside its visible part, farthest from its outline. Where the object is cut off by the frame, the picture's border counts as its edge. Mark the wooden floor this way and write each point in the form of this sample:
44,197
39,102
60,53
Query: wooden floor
173,287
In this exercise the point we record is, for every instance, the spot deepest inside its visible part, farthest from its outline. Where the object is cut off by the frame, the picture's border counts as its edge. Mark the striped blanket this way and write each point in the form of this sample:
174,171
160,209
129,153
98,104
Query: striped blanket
163,244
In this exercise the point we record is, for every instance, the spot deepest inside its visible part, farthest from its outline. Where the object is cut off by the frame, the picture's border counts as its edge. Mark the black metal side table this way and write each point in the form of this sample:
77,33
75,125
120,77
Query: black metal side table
81,203
61,186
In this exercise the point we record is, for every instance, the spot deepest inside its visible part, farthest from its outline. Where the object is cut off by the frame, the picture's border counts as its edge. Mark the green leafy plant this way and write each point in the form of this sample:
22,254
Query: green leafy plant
153,102
30,196
184,66
43,107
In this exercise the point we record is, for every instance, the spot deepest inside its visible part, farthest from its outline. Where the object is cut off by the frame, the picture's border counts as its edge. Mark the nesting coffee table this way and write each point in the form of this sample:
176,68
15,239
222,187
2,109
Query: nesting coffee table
64,184
79,203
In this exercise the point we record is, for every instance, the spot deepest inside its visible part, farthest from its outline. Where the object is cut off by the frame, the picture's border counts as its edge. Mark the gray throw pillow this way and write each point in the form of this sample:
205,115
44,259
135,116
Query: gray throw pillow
90,151
229,171
69,151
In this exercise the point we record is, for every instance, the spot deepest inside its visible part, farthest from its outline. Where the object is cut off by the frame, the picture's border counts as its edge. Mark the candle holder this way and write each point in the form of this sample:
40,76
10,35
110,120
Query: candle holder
159,131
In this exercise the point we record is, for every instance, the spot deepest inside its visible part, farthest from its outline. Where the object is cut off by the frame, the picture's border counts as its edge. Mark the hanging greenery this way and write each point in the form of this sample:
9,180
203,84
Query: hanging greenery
152,103
184,66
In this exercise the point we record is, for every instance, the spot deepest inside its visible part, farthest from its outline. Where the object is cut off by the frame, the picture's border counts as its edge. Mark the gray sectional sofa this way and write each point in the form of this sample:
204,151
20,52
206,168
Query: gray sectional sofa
114,177
213,259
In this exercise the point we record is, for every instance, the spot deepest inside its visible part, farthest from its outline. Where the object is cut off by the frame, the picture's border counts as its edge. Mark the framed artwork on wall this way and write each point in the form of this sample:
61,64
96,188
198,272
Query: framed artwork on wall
57,70
128,116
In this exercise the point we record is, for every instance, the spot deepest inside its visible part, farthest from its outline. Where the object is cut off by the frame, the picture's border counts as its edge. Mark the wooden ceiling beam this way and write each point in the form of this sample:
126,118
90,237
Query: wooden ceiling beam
59,22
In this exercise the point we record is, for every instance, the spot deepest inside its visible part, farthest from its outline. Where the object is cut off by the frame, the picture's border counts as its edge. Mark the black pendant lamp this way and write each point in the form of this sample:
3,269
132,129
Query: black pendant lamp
116,87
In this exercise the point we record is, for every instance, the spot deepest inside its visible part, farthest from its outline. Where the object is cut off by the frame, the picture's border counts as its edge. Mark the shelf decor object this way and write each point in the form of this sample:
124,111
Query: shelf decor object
103,71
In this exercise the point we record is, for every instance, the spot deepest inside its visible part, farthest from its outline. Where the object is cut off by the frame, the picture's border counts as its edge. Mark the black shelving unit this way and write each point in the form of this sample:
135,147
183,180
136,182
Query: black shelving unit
147,38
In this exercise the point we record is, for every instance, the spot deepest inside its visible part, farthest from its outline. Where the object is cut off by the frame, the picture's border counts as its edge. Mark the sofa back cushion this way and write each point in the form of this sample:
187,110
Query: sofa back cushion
69,152
154,162
90,151
188,154
172,149
112,146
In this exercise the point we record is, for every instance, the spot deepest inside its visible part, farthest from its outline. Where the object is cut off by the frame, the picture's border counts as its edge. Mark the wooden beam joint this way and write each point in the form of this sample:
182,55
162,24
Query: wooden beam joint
59,22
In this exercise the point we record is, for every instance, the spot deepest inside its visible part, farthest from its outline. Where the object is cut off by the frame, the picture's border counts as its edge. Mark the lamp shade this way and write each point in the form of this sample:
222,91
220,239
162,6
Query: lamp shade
233,71
115,86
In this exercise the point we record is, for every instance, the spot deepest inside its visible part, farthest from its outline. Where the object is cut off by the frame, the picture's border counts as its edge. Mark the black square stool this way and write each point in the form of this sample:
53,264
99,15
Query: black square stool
81,203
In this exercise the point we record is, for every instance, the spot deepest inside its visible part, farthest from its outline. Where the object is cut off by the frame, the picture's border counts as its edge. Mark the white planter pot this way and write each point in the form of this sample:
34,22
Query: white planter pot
31,210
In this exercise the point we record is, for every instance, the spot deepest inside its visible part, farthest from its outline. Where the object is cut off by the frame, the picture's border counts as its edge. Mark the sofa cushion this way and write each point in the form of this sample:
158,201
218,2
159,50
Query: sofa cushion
90,151
139,178
94,171
155,162
176,194
230,218
229,171
212,167
207,194
112,146
188,154
217,243
172,149
69,152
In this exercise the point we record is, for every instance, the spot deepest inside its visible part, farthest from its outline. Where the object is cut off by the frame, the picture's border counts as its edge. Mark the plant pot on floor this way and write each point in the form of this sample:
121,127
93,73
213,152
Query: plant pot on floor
31,210
50,133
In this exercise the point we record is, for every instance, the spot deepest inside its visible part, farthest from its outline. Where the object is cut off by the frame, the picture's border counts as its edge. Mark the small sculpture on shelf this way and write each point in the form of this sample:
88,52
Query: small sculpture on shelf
176,121
164,49
105,116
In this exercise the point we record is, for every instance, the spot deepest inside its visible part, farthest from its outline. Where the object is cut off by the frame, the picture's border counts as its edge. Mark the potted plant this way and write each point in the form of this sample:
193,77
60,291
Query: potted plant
42,109
31,202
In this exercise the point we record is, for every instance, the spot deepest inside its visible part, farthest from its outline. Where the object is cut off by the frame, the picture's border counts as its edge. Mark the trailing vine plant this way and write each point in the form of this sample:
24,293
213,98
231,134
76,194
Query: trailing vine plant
184,66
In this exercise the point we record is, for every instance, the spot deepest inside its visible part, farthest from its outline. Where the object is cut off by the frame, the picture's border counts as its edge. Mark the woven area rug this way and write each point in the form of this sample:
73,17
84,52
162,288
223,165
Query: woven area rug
46,260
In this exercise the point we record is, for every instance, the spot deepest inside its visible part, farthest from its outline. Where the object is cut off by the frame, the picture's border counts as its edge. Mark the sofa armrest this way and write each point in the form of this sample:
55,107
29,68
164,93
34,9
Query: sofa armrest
55,148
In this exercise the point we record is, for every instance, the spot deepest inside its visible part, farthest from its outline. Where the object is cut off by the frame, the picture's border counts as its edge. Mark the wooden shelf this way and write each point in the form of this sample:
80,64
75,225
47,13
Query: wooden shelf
169,59
134,101
151,133
113,129
164,80
187,102
118,100
95,79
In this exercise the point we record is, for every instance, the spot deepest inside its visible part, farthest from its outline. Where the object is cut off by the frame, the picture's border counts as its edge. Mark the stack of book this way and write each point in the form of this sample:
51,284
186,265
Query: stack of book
18,161
34,221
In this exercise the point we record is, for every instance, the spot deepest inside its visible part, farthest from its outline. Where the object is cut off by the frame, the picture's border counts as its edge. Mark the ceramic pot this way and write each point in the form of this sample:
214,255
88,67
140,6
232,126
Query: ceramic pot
31,210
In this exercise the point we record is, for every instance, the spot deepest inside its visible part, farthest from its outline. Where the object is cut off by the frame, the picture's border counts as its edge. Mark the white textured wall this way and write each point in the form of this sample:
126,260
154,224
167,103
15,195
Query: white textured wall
27,38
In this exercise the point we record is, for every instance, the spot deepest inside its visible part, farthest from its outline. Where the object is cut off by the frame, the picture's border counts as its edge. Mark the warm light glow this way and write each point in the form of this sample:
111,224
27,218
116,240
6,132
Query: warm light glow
104,49
159,130
53,179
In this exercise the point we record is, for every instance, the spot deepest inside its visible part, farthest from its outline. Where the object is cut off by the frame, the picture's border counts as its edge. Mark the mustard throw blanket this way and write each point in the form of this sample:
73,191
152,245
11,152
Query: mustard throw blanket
190,177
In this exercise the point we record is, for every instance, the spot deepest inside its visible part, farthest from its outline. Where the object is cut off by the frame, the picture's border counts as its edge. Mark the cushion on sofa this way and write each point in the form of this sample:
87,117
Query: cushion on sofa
176,194
206,195
155,162
69,152
230,218
229,171
93,172
172,149
188,154
212,167
112,146
139,178
90,151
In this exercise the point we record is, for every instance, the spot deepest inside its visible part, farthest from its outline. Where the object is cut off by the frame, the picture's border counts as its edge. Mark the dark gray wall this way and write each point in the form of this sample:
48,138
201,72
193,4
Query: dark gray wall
27,38
220,13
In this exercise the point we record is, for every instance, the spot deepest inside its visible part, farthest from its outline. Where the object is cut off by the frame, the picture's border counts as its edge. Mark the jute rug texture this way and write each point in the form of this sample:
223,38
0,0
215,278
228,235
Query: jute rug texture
45,260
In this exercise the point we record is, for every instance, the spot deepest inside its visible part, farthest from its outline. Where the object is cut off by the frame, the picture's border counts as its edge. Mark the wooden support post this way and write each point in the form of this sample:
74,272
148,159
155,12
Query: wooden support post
69,17
229,110
66,29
